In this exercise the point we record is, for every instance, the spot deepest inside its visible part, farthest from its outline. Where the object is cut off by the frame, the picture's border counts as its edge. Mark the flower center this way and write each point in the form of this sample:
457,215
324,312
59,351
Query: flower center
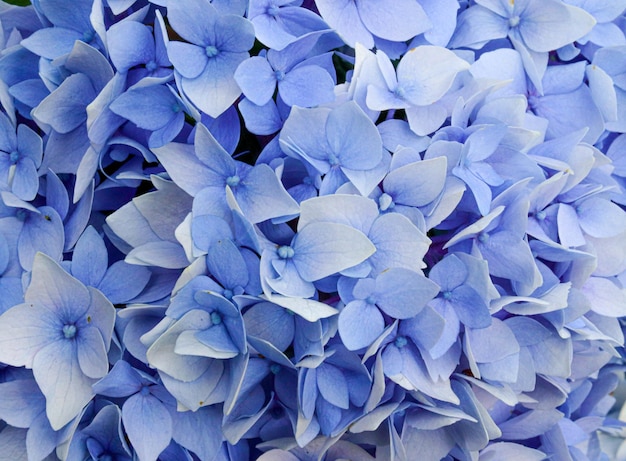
483,237
447,295
14,156
540,215
228,294
144,390
333,160
233,181
21,214
88,36
69,331
370,300
400,342
211,51
275,368
151,66
272,10
285,252
216,318
385,202
279,74
514,21
399,92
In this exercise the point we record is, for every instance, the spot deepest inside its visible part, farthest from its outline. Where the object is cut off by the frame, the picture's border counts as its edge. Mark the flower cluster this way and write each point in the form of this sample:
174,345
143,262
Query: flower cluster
296,230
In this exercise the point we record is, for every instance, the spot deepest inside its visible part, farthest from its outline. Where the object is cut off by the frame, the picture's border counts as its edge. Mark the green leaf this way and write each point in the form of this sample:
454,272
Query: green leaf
18,2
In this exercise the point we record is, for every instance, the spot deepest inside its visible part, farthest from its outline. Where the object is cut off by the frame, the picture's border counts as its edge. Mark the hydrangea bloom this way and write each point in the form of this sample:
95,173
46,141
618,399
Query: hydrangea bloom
312,229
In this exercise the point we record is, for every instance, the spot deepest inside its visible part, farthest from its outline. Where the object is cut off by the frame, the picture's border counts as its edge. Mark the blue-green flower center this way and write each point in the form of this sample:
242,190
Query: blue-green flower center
333,160
69,331
483,237
228,294
400,342
144,390
514,21
540,215
151,65
14,156
399,92
88,36
211,51
272,10
279,75
447,295
21,214
275,368
216,318
285,252
370,300
233,181
385,202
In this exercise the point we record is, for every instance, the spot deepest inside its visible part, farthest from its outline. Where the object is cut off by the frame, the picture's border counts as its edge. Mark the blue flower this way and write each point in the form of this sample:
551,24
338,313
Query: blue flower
146,418
363,21
155,108
534,27
301,81
216,44
340,143
20,157
67,27
63,332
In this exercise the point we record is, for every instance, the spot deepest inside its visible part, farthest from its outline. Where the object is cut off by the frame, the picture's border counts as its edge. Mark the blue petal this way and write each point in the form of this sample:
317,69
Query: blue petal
231,275
90,258
52,42
20,402
149,107
427,72
398,243
470,307
148,425
122,281
343,16
493,343
549,25
360,324
189,424
56,195
215,89
256,79
262,120
403,293
333,386
194,21
307,86
353,138
314,244
130,43
65,108
418,183
519,264
61,380
270,323
189,60
53,288
189,173
261,196
168,255
122,381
